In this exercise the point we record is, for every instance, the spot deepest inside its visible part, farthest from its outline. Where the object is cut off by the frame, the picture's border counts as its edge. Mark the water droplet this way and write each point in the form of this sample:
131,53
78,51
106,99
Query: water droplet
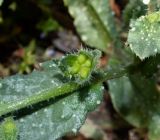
98,102
52,65
21,120
40,125
102,88
63,103
155,50
62,116
34,125
45,110
0,85
133,29
99,10
146,1
74,130
52,81
84,38
42,133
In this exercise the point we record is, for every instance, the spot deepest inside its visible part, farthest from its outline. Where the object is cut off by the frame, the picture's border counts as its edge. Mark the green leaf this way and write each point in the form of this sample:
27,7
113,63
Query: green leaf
154,128
48,25
133,10
143,36
133,99
18,87
1,1
64,116
137,98
42,116
93,21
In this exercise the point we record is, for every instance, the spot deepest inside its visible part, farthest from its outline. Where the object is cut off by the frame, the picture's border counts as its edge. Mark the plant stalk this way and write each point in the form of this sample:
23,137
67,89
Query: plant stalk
61,90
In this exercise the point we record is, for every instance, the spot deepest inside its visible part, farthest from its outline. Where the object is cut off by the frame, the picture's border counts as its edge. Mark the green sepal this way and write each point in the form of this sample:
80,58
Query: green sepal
80,66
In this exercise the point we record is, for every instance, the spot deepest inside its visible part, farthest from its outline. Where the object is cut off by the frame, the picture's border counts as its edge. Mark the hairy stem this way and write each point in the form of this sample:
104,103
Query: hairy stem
61,90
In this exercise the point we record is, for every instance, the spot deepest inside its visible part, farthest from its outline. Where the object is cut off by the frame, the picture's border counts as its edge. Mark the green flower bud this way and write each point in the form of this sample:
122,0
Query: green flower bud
81,58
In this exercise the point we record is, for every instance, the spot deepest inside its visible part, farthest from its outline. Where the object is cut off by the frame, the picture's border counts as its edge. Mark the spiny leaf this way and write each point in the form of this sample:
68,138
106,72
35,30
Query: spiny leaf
144,34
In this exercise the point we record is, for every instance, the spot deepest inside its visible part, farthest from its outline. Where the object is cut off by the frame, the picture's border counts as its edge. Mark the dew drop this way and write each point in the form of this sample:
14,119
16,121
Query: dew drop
0,85
45,110
52,81
84,38
21,120
52,65
99,10
40,125
63,103
42,133
133,29
62,116
34,125
40,64
74,130
98,102
146,1
102,88
155,50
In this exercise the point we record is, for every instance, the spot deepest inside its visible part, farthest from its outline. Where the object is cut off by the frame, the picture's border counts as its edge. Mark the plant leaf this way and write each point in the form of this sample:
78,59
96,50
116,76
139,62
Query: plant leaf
48,25
64,116
143,36
18,87
93,21
133,10
1,1
137,97
53,118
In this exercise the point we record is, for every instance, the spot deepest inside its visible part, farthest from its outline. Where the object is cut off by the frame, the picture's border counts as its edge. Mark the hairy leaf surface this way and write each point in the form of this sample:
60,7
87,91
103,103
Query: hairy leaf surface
53,118
93,21
144,34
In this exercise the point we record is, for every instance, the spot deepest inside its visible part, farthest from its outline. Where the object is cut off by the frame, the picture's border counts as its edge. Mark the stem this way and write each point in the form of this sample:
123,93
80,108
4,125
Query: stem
61,90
